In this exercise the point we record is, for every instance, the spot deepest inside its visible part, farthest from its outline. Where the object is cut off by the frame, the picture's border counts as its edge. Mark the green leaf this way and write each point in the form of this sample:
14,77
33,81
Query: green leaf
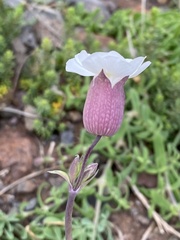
159,150
2,224
61,174
53,220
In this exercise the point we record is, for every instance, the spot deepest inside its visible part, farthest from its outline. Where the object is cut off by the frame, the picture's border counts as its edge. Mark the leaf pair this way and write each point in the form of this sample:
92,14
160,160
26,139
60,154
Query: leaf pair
74,172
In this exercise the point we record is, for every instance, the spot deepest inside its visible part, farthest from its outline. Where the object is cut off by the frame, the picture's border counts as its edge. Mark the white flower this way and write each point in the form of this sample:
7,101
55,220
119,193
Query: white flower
114,66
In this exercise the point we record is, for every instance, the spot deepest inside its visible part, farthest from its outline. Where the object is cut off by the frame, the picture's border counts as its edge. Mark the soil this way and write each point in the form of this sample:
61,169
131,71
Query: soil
136,4
20,154
134,223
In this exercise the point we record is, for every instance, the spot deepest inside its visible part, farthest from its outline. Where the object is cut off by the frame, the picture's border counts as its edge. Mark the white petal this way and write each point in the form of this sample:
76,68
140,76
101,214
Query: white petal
135,64
73,66
140,69
115,66
93,63
101,60
123,69
81,56
116,54
128,59
117,71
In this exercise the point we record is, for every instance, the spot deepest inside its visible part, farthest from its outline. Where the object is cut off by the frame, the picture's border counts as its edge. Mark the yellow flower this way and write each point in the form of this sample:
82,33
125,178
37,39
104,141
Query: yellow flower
57,106
3,91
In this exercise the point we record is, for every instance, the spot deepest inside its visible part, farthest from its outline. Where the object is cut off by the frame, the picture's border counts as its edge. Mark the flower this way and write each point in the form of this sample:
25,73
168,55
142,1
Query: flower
104,107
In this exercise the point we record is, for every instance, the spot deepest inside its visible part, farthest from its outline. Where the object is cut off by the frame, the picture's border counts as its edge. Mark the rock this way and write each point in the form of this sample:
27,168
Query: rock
55,181
28,38
48,23
31,204
75,116
143,220
67,137
105,8
13,3
17,152
38,161
26,187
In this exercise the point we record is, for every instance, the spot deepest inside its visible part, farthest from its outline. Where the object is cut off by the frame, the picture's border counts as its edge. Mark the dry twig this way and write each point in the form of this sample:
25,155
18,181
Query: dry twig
118,231
148,231
17,111
170,193
132,50
25,178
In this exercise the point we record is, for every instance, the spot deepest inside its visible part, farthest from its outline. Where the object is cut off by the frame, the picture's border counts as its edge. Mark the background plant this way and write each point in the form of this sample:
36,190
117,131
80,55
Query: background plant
9,28
148,141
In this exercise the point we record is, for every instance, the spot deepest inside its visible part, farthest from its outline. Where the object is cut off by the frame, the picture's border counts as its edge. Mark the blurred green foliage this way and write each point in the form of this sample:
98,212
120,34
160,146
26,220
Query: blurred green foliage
9,28
156,36
39,81
149,138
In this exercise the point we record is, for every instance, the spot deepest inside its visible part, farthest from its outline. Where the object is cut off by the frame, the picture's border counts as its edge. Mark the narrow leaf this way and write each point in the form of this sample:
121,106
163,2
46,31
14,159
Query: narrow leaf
61,174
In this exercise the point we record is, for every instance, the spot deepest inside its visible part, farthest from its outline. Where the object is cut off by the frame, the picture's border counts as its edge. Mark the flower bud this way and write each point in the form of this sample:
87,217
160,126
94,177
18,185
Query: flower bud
104,107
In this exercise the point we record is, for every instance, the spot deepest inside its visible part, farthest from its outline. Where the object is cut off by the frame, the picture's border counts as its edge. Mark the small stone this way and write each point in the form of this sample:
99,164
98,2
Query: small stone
13,3
55,181
26,187
67,137
143,220
31,204
75,116
28,37
38,161
10,198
